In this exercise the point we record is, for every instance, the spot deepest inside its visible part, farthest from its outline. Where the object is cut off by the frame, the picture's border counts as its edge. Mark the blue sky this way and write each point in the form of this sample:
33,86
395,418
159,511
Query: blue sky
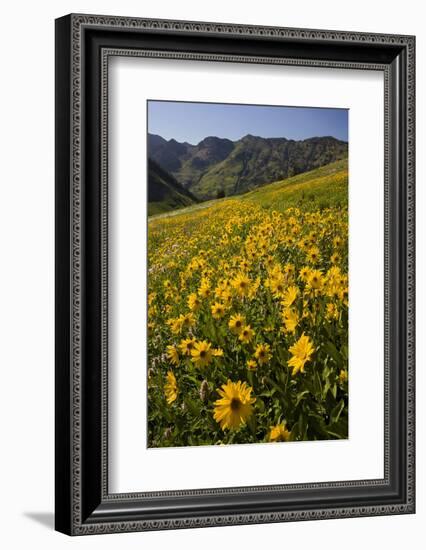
192,122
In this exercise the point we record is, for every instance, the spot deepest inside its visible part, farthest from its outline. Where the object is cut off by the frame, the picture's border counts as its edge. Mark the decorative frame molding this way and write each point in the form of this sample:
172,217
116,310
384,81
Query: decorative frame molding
84,44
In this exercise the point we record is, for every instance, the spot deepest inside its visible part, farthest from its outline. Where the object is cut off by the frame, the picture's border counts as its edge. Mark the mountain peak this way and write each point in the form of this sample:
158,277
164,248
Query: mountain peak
212,141
250,137
235,167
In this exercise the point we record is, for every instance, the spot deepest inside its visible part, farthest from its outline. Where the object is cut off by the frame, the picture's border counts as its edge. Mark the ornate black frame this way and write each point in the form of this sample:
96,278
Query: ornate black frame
83,46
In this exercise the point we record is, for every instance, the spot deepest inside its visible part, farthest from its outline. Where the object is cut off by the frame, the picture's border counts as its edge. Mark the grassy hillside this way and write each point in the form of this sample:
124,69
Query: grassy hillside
255,162
164,192
219,167
248,316
321,188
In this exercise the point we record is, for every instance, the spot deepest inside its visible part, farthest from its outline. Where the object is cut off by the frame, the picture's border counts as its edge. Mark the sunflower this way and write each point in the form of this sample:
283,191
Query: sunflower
337,241
279,433
205,290
263,353
304,243
290,319
234,406
187,320
315,279
218,310
246,334
175,325
301,352
194,303
313,254
269,261
254,288
173,355
227,297
251,364
241,284
335,258
170,388
304,273
332,312
244,264
186,346
343,376
343,295
290,296
277,286
236,323
202,353
289,269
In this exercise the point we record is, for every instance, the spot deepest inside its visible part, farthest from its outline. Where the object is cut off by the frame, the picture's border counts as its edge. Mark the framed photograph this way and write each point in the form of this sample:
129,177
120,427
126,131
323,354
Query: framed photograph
234,274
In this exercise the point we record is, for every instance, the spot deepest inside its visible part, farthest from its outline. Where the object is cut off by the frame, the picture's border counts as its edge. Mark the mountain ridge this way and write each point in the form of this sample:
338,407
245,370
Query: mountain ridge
222,167
164,192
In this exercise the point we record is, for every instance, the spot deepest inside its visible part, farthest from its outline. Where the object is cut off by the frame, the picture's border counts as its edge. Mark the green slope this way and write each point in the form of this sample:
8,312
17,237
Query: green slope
256,161
321,188
164,192
220,167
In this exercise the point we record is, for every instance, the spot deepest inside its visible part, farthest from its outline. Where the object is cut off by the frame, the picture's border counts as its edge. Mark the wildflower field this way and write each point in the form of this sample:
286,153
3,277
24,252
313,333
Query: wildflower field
248,316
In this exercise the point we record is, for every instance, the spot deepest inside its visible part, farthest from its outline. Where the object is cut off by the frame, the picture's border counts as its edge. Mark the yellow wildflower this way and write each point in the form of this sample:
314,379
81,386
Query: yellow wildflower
234,406
279,433
202,354
290,296
290,319
343,376
263,353
251,364
186,346
175,325
241,284
194,303
315,280
236,323
173,355
218,310
246,334
313,254
187,320
301,352
170,388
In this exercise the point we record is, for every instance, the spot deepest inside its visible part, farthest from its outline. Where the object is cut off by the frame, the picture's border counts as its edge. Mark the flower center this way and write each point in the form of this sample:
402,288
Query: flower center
235,404
202,353
238,323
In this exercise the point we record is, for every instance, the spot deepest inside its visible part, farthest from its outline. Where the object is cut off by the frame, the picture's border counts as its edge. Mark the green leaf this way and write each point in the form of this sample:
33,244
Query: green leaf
300,396
251,423
331,350
340,429
193,407
336,412
250,377
260,404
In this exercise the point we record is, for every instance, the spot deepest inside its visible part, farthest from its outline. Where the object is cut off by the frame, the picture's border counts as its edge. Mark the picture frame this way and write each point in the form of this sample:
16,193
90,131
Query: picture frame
83,503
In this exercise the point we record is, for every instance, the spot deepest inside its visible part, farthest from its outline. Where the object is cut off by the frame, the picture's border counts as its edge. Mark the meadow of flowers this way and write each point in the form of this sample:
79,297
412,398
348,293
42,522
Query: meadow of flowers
247,325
